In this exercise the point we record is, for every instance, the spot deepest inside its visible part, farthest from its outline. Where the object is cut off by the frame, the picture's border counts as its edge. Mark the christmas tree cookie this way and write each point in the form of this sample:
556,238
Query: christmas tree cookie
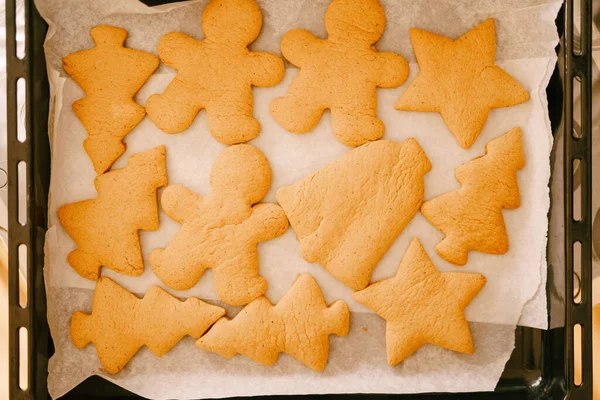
299,325
120,323
471,217
105,229
110,75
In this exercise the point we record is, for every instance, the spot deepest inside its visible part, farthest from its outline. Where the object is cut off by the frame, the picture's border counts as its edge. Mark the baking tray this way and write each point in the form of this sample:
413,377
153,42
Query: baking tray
542,363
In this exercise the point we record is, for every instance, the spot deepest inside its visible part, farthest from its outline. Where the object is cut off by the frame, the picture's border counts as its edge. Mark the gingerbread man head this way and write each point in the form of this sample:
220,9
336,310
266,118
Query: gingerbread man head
242,173
355,21
232,21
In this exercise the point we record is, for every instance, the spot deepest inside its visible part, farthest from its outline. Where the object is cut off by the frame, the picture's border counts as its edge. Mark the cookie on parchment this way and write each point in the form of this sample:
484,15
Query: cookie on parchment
348,214
216,74
121,323
460,80
221,230
471,217
340,73
110,75
105,229
299,325
422,305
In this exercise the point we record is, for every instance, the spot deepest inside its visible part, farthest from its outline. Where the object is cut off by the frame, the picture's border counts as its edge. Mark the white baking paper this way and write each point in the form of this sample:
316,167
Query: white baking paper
526,38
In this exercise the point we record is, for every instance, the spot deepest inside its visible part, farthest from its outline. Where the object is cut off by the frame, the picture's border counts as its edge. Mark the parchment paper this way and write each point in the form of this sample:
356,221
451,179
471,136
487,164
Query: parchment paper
526,39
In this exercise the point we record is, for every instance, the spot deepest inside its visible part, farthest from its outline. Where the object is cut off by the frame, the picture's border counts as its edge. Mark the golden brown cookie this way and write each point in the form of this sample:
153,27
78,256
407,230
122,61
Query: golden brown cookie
460,80
221,230
471,217
348,214
120,323
299,325
340,73
216,74
422,305
110,75
105,229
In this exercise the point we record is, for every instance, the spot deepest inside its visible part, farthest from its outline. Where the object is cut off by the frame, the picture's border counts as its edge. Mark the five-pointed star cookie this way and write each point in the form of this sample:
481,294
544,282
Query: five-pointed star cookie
422,305
459,80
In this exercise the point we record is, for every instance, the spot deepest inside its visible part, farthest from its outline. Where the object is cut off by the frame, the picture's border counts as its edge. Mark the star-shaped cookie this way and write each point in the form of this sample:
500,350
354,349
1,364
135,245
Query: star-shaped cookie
460,80
422,305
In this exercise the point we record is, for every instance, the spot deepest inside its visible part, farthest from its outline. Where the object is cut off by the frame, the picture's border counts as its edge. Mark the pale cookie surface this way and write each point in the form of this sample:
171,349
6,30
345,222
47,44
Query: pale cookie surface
340,73
120,323
471,217
422,305
348,214
299,325
221,230
460,80
110,75
216,74
105,229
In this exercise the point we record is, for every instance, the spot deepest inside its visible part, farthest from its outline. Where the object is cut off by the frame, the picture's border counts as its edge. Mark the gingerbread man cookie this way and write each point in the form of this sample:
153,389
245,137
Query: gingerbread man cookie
221,230
340,73
105,229
216,74
110,75
300,325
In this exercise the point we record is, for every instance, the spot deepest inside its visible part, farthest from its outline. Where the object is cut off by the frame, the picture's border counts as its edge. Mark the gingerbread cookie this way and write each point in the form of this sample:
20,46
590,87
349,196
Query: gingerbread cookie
120,323
489,183
216,74
340,73
105,229
422,305
348,214
221,230
460,80
110,75
299,325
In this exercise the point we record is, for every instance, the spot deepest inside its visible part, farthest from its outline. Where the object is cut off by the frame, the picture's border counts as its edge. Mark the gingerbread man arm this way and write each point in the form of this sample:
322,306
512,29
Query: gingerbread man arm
266,69
179,202
266,222
176,49
389,70
298,46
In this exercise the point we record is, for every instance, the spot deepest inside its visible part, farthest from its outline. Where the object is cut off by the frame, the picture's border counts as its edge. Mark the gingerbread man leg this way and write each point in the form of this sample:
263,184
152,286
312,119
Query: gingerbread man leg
297,113
355,122
230,117
237,281
174,110
179,273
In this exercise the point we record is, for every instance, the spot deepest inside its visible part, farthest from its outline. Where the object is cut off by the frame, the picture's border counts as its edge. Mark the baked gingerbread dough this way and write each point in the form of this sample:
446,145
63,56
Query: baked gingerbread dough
299,325
221,230
340,73
422,305
460,80
110,75
105,229
120,323
216,74
348,214
471,217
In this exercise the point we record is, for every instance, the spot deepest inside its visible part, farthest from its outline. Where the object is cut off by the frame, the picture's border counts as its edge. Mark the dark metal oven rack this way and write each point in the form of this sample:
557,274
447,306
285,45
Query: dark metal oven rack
542,364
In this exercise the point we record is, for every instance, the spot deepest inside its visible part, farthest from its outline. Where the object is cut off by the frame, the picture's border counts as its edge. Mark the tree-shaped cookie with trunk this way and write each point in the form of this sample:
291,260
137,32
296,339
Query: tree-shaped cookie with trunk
471,217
